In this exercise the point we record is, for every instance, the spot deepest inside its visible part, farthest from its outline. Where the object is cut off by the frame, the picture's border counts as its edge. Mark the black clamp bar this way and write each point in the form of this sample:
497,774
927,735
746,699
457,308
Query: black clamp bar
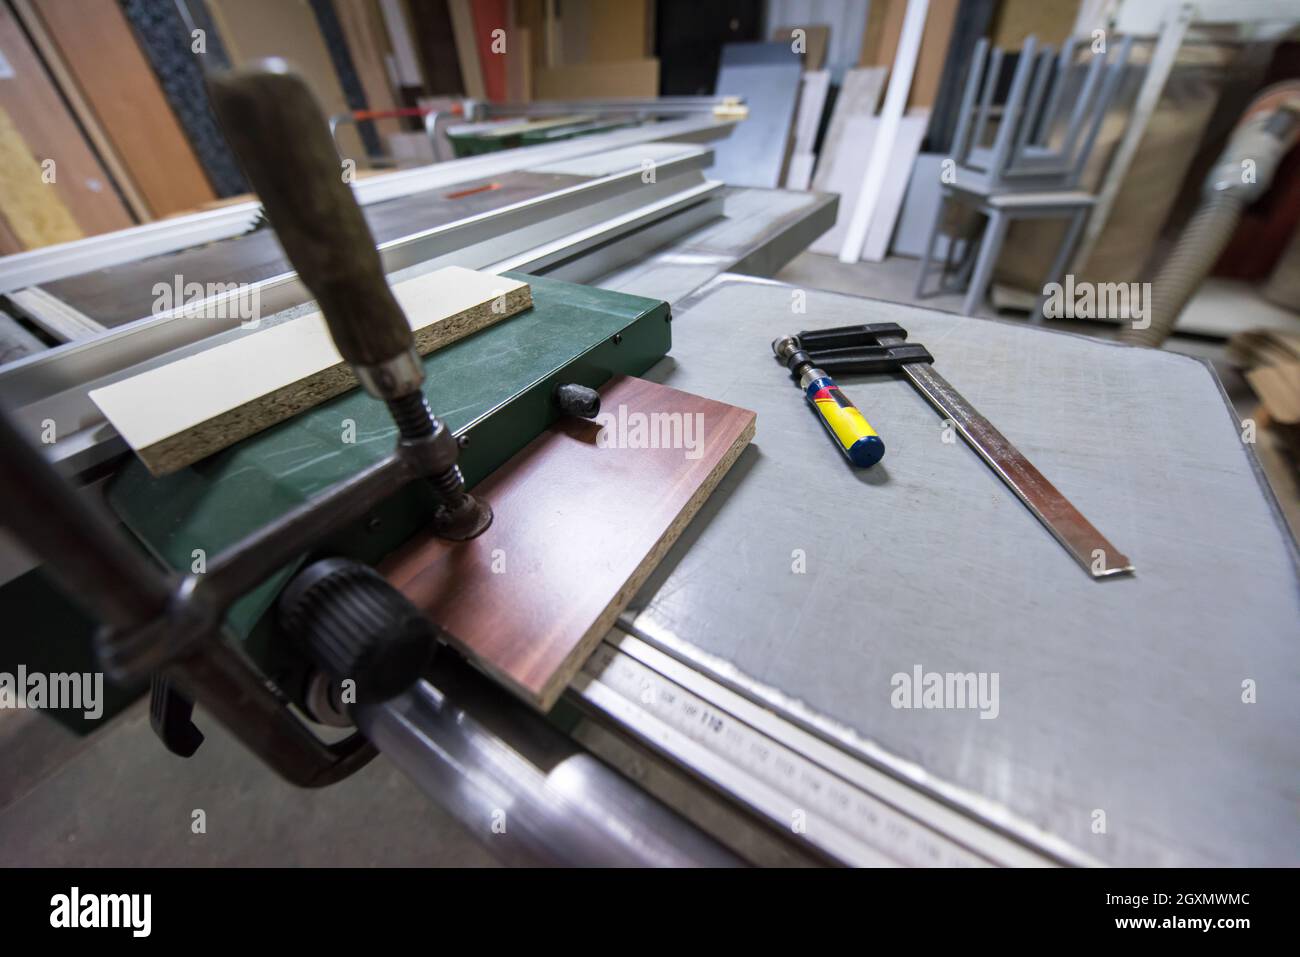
870,348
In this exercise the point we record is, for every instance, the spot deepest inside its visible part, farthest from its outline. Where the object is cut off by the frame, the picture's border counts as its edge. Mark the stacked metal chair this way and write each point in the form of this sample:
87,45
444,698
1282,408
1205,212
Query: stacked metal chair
1022,158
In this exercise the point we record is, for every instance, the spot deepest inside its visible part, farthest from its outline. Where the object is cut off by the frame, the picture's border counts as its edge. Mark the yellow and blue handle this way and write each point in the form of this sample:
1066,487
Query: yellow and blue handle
849,427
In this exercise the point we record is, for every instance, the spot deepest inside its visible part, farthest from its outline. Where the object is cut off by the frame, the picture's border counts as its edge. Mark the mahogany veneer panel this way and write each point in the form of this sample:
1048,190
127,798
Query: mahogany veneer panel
579,525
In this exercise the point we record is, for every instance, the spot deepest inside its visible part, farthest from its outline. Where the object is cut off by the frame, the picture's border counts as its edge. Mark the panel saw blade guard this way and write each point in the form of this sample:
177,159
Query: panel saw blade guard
883,347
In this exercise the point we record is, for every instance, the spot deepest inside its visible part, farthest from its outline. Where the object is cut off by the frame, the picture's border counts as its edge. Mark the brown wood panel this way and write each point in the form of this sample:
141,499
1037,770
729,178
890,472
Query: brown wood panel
256,29
883,30
32,102
100,51
32,210
587,80
1049,20
363,28
90,126
933,55
581,519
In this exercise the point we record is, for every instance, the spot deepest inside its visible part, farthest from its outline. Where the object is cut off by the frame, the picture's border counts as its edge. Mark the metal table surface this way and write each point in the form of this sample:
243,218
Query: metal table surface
759,232
1121,727
124,293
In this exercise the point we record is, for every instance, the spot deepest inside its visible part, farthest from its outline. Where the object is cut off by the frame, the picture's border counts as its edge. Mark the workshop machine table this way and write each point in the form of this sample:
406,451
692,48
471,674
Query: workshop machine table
1123,733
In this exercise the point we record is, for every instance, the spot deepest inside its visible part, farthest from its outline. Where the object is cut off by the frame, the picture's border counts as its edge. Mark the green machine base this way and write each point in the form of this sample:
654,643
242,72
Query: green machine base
494,390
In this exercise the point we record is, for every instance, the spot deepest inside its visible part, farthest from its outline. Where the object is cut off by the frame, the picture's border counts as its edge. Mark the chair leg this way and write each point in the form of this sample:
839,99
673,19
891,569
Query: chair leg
1068,242
930,241
969,247
990,246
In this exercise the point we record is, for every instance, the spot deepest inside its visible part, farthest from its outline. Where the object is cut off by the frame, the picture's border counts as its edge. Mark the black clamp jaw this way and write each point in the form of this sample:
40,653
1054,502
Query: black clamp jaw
870,348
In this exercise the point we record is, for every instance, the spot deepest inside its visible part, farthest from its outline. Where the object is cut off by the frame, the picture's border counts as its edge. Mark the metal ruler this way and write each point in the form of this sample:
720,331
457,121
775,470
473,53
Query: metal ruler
1089,547
849,810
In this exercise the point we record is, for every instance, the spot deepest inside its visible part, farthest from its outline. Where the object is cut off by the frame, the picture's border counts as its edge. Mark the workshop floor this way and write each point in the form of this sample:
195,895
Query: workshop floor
118,798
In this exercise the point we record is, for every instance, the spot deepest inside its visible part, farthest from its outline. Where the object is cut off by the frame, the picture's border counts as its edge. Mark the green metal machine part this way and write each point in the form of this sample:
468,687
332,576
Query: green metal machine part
494,390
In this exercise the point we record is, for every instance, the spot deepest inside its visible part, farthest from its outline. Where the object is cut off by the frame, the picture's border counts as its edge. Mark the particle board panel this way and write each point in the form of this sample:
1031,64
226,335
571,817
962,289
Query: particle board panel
179,413
114,77
49,131
583,515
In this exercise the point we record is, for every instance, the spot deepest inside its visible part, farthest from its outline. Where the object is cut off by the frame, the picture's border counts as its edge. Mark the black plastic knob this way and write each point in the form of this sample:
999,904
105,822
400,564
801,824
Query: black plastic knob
355,625
579,400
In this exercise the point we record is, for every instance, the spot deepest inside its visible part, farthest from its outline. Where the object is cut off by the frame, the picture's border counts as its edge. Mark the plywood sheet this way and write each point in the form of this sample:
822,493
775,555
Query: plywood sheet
113,76
181,412
582,516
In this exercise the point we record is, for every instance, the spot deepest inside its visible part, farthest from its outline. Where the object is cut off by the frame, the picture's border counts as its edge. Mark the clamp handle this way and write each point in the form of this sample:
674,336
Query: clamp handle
280,135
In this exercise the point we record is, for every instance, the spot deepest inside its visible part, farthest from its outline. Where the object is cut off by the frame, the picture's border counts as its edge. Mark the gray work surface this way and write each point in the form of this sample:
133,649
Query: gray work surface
1119,697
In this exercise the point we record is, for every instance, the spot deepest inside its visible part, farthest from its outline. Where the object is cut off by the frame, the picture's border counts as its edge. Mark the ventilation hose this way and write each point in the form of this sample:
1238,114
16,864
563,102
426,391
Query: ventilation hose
1267,130
1198,249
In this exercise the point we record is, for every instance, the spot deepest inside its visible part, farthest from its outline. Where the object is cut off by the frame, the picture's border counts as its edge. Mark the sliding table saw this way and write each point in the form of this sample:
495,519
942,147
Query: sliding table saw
741,709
